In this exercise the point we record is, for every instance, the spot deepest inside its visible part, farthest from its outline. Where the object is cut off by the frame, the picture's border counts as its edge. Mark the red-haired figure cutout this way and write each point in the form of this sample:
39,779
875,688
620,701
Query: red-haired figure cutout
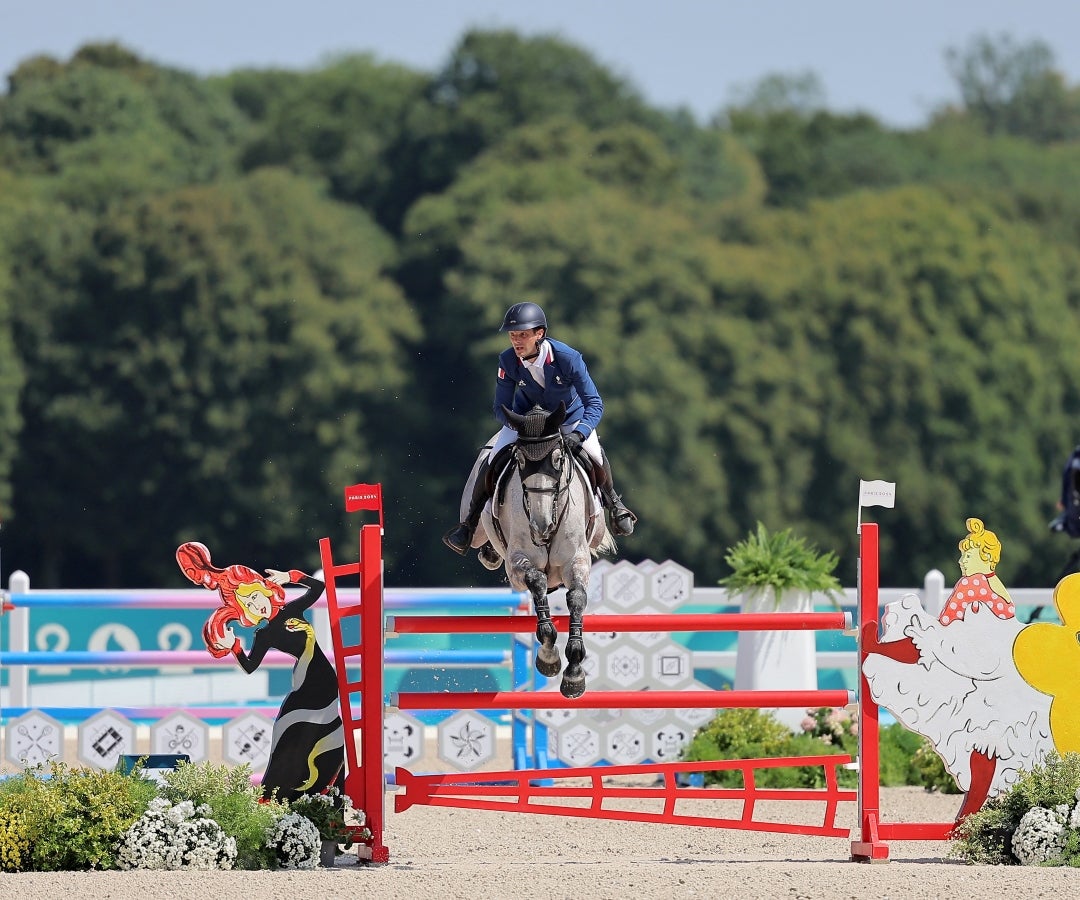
307,748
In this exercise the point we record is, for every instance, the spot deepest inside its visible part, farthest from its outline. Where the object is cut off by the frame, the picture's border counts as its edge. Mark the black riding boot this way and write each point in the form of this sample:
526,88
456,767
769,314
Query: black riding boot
621,519
459,538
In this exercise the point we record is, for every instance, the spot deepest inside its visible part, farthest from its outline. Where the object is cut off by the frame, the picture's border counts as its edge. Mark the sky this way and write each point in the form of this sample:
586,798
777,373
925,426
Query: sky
885,58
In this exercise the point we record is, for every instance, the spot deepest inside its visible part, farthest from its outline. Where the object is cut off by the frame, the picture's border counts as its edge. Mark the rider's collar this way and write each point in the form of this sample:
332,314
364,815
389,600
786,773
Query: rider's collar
542,358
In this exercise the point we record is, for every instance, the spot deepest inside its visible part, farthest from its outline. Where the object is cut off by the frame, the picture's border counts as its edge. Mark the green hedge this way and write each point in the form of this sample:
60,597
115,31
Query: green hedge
905,757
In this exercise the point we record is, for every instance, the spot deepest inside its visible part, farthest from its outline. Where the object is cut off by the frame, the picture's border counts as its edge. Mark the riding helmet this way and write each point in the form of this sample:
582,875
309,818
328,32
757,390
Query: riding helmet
523,316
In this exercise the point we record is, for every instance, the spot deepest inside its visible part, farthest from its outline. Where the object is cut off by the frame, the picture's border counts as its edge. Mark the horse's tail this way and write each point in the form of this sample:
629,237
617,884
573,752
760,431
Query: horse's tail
607,545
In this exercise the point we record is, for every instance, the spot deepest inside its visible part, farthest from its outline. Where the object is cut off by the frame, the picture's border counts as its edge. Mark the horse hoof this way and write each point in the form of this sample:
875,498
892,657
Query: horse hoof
548,670
571,689
548,662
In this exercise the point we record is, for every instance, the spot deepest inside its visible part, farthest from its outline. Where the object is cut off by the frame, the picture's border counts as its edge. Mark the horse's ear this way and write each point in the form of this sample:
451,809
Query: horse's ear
513,418
556,418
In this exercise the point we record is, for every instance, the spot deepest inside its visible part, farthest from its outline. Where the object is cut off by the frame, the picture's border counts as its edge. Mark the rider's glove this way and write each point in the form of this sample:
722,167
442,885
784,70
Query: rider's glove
575,440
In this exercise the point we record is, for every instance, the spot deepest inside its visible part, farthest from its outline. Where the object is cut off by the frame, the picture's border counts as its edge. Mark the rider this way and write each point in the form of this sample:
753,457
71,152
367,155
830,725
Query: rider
537,370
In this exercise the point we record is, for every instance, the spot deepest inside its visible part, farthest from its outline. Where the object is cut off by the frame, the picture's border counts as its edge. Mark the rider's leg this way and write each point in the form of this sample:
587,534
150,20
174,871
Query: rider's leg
459,538
622,520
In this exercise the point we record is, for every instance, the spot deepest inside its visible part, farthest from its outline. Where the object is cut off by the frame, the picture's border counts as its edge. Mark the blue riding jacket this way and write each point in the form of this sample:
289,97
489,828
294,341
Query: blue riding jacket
566,380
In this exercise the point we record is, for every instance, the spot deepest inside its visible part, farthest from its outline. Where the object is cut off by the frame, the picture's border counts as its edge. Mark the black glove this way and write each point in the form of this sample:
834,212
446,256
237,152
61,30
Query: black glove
575,440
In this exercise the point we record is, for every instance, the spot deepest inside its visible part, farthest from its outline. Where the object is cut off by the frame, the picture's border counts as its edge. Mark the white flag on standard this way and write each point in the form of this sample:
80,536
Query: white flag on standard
877,493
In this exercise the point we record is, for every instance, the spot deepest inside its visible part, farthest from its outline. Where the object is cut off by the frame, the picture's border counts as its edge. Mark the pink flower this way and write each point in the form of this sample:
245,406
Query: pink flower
808,724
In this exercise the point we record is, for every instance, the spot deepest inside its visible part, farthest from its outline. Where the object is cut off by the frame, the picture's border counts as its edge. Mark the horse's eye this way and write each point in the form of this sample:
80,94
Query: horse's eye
556,457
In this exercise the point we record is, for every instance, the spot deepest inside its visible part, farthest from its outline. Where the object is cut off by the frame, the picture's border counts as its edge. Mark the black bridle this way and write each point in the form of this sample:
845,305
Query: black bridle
535,453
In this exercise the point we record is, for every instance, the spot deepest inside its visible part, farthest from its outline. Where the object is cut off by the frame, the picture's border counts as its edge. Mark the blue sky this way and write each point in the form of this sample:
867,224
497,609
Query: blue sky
883,58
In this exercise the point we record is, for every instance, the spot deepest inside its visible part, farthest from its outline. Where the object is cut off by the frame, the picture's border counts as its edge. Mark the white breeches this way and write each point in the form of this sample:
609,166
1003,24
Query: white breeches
592,443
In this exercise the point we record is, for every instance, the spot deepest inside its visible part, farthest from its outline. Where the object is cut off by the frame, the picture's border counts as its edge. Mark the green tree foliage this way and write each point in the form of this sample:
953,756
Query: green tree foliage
335,122
821,154
1013,88
223,300
924,314
801,94
215,366
11,372
107,125
493,83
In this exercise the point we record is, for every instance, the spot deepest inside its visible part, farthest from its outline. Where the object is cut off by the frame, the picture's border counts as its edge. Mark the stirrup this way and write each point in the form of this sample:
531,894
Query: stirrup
489,557
458,538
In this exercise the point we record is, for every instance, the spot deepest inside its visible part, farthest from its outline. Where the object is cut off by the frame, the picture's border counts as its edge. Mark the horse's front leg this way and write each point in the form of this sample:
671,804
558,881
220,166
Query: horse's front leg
577,598
548,661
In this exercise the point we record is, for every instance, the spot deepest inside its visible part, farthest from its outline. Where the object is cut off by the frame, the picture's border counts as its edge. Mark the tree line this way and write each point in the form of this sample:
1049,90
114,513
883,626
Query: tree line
224,299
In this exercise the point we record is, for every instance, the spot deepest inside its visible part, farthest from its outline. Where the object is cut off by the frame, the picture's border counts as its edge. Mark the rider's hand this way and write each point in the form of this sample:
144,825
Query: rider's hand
575,440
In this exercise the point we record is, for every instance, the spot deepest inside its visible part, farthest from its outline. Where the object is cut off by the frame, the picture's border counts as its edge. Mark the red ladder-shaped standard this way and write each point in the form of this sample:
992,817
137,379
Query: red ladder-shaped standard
361,701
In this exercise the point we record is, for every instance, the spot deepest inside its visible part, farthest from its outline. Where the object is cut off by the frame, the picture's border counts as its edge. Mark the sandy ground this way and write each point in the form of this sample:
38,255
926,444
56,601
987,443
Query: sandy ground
474,855
479,855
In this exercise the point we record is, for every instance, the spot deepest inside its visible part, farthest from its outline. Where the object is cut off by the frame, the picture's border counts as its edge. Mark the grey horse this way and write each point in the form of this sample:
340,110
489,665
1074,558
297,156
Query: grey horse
547,524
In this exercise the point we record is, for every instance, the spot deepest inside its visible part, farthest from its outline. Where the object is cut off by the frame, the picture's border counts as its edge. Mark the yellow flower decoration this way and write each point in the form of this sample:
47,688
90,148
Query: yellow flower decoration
1047,656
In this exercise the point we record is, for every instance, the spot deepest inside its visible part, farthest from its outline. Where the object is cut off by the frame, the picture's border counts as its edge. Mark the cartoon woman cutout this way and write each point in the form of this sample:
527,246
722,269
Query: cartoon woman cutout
953,678
307,748
980,553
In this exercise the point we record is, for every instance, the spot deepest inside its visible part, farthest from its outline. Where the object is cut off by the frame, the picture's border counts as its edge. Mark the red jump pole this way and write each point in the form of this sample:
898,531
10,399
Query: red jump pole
621,700
672,622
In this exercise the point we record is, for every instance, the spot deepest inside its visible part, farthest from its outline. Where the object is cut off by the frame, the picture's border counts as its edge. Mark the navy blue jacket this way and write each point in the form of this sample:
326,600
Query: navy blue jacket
566,380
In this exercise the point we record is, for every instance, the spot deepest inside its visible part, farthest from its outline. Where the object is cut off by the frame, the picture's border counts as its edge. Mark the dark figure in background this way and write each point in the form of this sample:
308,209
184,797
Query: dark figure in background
1067,520
307,750
539,371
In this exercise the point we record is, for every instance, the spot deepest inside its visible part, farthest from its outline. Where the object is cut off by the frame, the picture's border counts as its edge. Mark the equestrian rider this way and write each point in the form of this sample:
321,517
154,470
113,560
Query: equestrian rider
537,370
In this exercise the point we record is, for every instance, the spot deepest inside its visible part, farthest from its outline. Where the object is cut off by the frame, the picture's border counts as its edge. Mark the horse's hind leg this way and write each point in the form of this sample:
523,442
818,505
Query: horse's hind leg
573,681
548,662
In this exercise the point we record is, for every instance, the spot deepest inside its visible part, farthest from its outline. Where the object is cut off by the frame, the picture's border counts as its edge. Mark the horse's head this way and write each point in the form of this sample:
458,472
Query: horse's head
544,466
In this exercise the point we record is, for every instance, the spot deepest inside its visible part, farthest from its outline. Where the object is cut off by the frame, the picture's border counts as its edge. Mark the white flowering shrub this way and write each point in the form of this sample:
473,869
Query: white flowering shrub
1040,836
1035,823
295,841
175,837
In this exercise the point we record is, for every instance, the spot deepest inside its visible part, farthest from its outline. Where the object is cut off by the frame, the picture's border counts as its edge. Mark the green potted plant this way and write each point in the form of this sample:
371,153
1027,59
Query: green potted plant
779,564
779,572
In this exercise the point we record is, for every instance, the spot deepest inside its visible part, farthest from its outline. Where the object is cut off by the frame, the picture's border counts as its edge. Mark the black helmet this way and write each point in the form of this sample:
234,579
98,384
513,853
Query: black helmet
523,316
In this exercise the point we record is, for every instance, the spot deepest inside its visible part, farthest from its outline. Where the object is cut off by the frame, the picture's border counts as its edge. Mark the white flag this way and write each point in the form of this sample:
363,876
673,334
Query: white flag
877,493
